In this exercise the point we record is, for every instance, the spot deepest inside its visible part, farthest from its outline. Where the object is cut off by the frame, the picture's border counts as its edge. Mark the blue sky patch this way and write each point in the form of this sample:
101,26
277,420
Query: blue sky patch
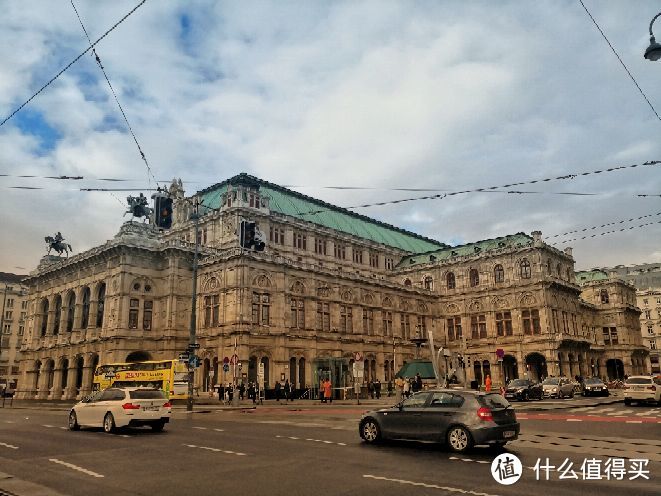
32,122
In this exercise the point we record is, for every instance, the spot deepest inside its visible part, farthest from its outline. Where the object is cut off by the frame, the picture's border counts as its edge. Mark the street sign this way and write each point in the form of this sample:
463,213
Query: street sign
240,365
226,360
226,367
234,360
358,356
184,356
194,361
193,346
358,369
500,353
260,375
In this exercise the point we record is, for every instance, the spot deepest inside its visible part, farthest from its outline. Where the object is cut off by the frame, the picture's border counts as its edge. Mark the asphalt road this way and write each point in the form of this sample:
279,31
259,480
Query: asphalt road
315,449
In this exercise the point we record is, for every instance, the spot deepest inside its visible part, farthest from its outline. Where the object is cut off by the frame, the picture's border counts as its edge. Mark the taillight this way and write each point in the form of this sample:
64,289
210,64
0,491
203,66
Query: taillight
653,387
130,406
485,414
167,405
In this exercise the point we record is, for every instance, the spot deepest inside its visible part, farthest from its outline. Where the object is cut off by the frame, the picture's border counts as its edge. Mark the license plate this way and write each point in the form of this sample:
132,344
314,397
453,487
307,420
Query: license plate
508,434
150,408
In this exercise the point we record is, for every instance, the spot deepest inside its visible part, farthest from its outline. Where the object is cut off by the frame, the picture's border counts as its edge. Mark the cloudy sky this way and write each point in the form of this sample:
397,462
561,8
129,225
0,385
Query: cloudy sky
447,95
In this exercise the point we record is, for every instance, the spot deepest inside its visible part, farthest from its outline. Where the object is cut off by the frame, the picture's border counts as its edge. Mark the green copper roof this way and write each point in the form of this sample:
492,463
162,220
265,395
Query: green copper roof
511,241
591,276
288,202
422,367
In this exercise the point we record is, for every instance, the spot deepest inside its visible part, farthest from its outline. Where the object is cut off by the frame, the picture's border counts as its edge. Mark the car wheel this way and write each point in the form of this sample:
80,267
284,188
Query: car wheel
157,426
524,396
73,421
109,423
370,431
459,439
560,395
571,395
627,402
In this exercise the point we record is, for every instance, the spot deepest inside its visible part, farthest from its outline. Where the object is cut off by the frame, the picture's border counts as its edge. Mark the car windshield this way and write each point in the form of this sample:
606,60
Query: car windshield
146,394
495,401
593,380
639,380
519,382
553,382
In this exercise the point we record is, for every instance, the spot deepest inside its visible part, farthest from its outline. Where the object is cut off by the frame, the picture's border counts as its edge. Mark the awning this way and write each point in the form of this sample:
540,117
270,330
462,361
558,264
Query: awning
422,367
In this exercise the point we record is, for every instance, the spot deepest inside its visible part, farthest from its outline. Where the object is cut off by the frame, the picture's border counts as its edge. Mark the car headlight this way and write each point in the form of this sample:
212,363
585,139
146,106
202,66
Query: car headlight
555,389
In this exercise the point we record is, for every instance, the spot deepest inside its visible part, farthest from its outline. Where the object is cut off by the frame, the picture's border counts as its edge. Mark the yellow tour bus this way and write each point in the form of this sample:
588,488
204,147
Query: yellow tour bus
169,375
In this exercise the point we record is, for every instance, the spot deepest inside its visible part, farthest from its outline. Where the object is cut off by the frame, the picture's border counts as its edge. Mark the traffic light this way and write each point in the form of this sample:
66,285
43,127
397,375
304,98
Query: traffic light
250,237
162,210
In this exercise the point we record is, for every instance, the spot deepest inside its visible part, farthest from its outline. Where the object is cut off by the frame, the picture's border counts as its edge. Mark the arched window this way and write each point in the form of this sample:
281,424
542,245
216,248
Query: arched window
71,308
450,280
498,273
407,283
58,315
604,296
525,269
428,283
558,269
101,300
84,321
474,277
44,316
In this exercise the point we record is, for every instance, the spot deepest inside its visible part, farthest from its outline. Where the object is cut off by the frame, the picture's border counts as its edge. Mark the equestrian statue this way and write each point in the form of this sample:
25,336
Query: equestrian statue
138,207
57,243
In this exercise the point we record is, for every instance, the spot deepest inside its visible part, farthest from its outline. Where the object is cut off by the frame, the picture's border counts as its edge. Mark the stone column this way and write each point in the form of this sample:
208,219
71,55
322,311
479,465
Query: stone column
44,377
71,390
86,386
29,382
58,374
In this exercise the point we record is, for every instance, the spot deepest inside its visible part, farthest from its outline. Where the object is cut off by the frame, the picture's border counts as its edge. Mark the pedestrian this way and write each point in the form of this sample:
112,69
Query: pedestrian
377,389
407,387
418,382
230,392
322,398
278,390
221,393
370,389
389,389
328,391
287,389
292,388
251,392
242,390
487,383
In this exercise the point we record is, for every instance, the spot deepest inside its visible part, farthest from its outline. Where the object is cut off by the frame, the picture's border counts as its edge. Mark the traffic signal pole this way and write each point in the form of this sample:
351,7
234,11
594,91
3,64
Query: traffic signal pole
193,314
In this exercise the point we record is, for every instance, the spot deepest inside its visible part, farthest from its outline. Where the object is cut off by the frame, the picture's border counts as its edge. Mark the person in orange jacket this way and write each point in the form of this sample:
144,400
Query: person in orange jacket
328,391
487,383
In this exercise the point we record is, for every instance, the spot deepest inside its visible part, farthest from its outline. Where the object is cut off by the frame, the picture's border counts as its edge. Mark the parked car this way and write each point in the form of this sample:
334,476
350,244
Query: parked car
460,418
558,387
593,386
121,407
642,389
524,390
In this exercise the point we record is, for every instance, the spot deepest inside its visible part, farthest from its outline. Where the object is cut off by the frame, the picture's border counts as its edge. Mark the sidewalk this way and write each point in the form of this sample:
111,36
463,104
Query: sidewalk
17,487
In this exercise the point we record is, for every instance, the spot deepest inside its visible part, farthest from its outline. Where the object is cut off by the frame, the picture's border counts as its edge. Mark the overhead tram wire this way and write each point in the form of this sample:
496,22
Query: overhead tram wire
490,189
621,62
72,62
615,231
592,228
105,74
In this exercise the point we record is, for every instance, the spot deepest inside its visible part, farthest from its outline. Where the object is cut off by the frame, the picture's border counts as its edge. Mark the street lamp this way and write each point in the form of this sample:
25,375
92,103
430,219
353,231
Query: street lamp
195,217
653,52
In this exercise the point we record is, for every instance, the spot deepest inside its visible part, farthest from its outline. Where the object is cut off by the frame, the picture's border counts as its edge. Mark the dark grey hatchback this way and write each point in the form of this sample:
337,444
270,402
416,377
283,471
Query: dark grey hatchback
459,418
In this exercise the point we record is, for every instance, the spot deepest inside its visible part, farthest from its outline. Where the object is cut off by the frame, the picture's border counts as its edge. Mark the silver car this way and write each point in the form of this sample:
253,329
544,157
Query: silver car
558,387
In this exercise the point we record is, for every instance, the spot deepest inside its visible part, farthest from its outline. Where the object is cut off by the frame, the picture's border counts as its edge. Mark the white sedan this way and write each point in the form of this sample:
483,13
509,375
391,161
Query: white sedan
121,407
642,388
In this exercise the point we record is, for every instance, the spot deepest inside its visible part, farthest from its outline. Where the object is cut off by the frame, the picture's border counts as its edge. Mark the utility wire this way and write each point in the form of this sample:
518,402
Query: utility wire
603,225
105,74
621,62
489,188
72,62
606,233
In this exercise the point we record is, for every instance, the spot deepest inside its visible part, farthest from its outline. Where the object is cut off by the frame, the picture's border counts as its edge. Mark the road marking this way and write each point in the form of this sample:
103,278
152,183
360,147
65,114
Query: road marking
9,422
574,420
634,421
200,428
424,484
46,425
64,428
75,467
8,445
124,435
482,461
216,450
293,437
219,430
